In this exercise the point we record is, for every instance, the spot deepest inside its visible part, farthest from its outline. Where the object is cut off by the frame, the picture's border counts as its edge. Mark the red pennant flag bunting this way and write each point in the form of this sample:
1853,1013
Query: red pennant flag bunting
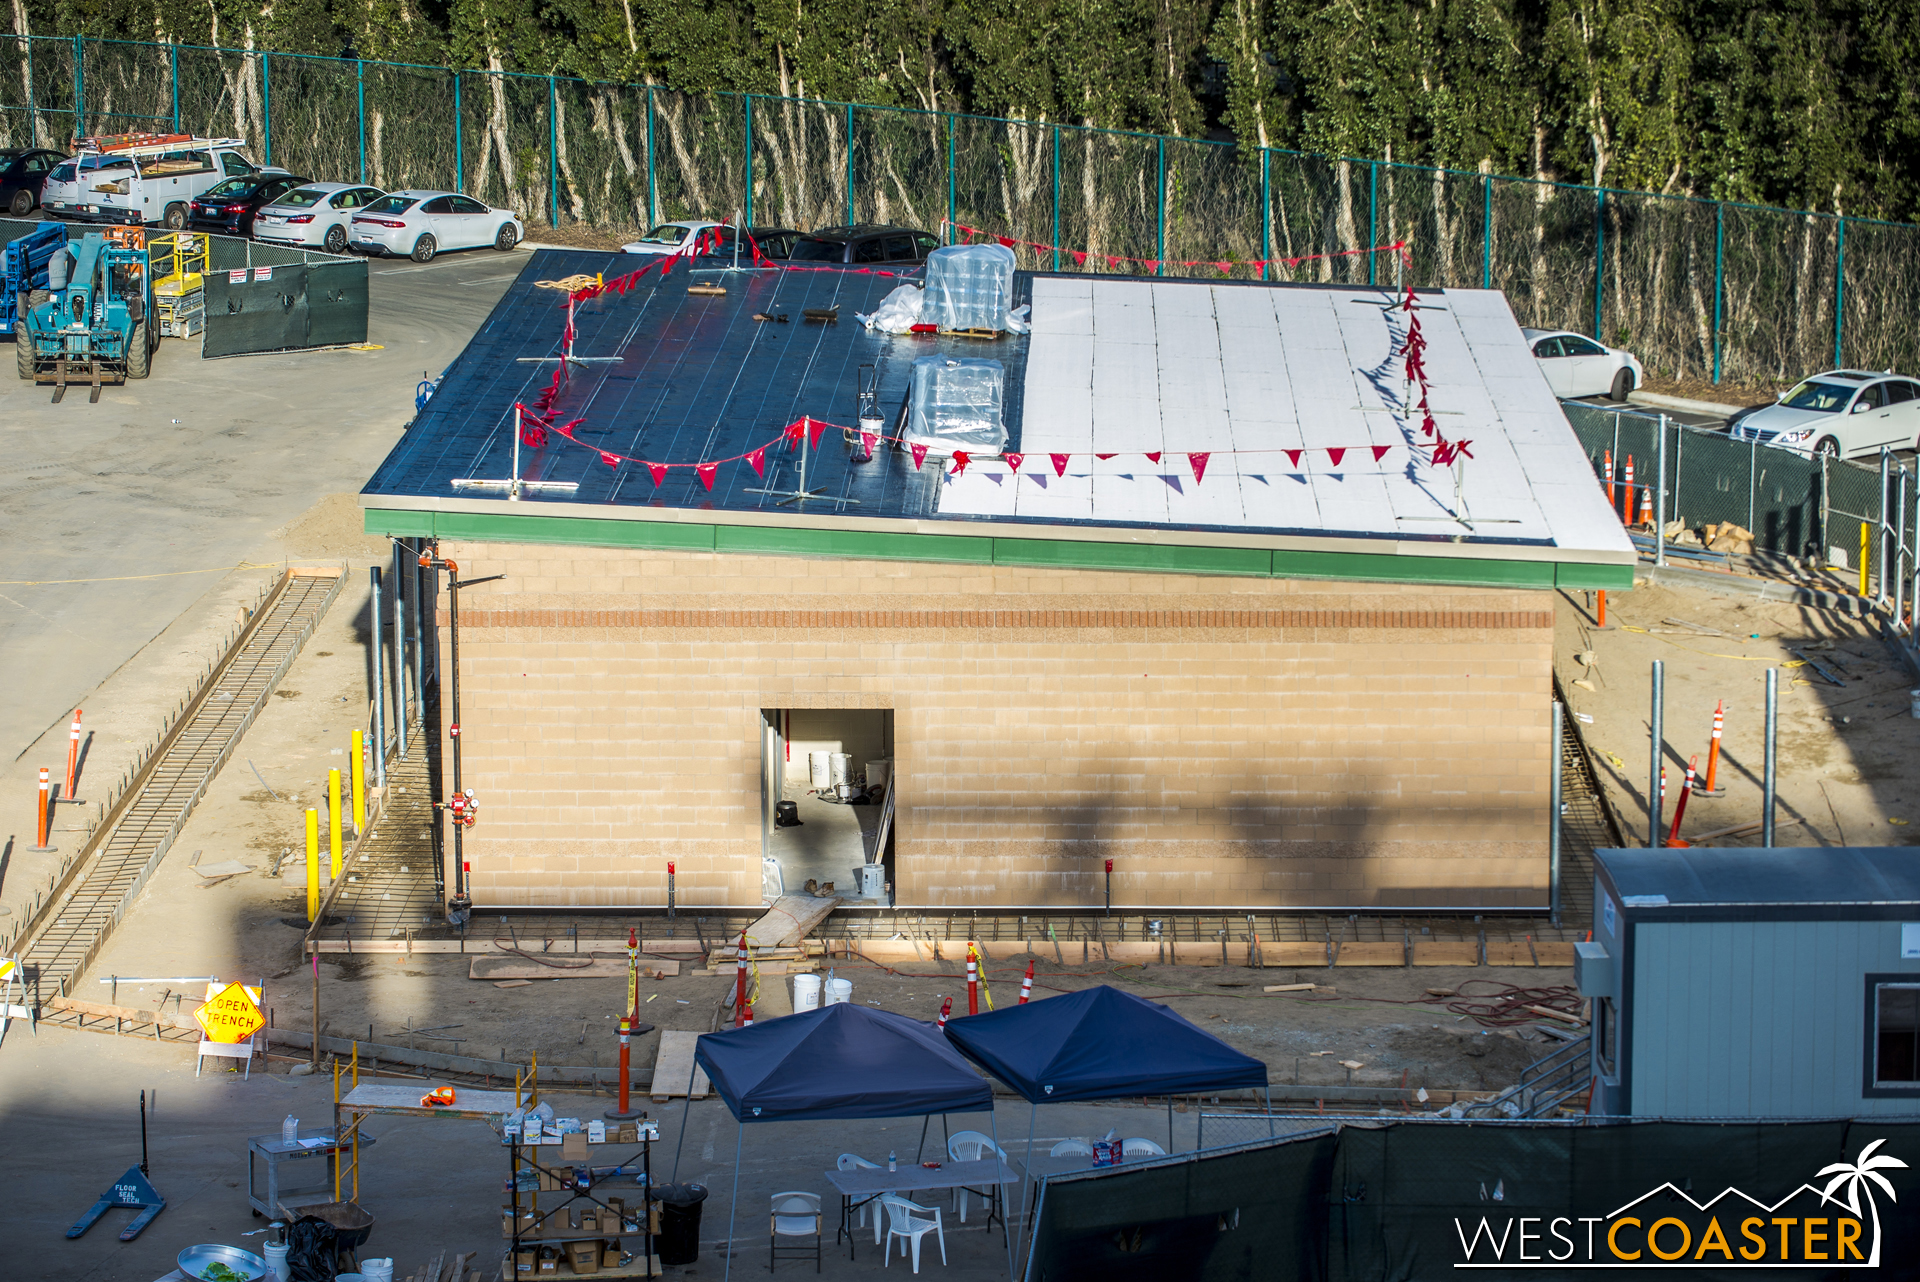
960,460
1380,452
1199,464
1008,241
659,471
814,428
706,471
1226,269
1293,456
1014,460
1059,463
793,431
1079,257
919,455
611,460
867,441
1336,454
758,460
1154,457
1103,457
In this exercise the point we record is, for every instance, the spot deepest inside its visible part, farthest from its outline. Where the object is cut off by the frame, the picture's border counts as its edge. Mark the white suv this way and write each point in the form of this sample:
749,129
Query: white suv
141,178
1843,412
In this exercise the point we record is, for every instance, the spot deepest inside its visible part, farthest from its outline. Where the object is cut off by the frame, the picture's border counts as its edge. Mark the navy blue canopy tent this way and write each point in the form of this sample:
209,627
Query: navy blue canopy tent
1101,1043
840,1061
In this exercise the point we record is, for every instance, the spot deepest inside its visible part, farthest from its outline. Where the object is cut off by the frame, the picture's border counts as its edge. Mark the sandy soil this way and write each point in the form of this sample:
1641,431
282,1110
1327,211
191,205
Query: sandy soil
1845,752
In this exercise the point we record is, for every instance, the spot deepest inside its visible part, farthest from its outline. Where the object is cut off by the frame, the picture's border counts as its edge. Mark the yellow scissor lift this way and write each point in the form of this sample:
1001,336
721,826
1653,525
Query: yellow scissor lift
178,260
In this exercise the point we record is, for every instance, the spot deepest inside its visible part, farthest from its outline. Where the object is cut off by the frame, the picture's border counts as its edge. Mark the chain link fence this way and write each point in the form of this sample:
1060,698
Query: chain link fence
1696,288
1841,513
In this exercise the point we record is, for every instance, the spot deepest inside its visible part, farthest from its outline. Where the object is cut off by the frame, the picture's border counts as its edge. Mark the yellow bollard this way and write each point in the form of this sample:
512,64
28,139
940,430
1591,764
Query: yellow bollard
1866,551
313,864
333,809
359,784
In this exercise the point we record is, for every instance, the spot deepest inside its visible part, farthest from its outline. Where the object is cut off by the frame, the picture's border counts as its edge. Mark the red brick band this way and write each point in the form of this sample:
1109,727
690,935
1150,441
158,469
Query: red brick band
883,620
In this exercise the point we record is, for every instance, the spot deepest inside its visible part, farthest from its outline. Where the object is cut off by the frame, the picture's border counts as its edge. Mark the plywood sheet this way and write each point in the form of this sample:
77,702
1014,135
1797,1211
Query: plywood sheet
675,1061
1371,954
790,920
1437,952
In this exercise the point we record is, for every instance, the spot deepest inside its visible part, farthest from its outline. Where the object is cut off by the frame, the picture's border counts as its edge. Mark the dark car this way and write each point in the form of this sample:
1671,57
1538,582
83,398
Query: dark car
868,244
23,172
775,242
229,207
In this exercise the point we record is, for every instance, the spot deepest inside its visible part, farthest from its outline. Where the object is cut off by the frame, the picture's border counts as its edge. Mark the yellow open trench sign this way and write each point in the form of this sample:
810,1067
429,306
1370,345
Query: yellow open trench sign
230,1014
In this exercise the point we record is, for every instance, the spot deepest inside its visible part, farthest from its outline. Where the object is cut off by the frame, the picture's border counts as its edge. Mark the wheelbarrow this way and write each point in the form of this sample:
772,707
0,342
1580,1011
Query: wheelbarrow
352,1226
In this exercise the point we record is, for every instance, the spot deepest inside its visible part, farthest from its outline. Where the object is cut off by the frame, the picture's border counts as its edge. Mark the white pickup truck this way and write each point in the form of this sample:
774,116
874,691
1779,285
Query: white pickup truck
141,178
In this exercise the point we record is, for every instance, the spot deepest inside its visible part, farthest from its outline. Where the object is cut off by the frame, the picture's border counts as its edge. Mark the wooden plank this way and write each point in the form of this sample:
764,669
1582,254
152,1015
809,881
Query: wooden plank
1442,952
1294,954
469,1103
1289,988
1509,953
1357,953
1550,1013
775,1000
484,948
1556,954
790,920
675,1061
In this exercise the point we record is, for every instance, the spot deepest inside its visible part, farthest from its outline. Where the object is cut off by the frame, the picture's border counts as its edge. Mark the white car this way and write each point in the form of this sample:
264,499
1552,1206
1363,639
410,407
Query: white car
1841,413
671,238
420,224
314,216
1577,366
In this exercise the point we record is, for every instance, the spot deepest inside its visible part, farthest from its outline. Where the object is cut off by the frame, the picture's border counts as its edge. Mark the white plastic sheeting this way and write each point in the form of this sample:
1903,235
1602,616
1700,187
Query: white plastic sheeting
956,403
969,287
898,312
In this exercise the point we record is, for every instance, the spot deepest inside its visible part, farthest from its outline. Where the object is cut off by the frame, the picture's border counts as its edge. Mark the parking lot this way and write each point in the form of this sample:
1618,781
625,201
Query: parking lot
122,514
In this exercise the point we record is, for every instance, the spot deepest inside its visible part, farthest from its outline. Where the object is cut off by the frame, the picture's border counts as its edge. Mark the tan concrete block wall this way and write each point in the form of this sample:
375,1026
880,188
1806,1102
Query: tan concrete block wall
1226,741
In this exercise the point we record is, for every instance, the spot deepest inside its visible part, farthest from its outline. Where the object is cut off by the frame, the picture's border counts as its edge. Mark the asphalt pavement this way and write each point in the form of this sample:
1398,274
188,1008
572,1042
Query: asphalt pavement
120,516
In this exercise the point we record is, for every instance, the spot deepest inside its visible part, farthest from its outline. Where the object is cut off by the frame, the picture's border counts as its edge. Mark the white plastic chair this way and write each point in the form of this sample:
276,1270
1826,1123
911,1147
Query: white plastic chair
1141,1148
795,1214
912,1221
972,1146
1071,1148
854,1162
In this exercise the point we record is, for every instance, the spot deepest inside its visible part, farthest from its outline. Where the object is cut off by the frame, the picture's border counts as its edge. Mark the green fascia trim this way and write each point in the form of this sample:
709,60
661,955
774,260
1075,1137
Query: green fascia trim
1581,576
873,544
405,525
1169,558
1165,558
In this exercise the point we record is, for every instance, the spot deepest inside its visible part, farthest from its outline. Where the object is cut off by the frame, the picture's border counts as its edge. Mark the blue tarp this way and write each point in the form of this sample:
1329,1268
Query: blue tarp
840,1061
1101,1043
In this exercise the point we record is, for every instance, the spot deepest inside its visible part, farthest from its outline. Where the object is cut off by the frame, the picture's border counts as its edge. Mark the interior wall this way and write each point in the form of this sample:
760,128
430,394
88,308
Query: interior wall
861,732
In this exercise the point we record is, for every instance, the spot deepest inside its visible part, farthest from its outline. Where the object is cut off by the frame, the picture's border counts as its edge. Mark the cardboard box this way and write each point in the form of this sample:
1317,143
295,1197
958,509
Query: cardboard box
610,1253
596,1131
584,1257
526,1261
573,1148
590,1220
627,1133
617,1205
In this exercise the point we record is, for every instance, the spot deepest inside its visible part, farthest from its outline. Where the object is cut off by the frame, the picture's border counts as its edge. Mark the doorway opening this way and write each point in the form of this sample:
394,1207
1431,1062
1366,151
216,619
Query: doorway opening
834,768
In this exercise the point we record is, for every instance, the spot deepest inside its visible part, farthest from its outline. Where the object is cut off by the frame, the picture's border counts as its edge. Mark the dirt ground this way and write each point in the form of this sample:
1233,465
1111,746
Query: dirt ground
1705,389
1845,752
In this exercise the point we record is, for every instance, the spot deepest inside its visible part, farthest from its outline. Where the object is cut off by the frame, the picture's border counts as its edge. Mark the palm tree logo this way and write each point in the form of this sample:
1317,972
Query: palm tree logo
1856,1176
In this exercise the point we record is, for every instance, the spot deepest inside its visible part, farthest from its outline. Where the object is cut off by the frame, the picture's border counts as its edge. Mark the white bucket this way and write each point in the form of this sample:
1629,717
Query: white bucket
380,1270
806,993
839,768
839,990
276,1253
817,769
877,773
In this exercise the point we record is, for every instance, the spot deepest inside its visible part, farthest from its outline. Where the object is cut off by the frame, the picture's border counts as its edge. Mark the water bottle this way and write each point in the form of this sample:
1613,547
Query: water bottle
290,1129
890,1163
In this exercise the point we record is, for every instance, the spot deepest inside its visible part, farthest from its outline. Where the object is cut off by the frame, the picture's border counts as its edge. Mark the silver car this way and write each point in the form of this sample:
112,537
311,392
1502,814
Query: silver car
1841,413
314,216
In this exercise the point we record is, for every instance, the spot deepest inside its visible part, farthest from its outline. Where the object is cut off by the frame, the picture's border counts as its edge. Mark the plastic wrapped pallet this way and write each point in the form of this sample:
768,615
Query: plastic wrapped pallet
969,287
956,404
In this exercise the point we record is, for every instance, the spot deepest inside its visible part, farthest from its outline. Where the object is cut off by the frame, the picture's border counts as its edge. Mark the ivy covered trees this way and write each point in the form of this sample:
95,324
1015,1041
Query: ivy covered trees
1802,103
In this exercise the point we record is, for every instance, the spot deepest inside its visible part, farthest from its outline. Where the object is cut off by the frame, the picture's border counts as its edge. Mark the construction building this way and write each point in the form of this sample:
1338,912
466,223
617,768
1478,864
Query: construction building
1170,581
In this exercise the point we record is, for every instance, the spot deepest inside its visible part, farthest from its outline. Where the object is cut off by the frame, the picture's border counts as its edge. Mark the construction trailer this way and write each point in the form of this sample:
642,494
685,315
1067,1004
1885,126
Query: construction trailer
1754,983
1198,603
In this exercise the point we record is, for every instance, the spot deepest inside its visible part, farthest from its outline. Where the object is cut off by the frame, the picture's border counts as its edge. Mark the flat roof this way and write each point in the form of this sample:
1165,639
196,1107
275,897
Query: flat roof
1656,880
1266,379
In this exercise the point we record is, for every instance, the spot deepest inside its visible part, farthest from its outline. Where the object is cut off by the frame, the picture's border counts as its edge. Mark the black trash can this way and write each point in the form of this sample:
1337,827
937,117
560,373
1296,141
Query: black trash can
679,1240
